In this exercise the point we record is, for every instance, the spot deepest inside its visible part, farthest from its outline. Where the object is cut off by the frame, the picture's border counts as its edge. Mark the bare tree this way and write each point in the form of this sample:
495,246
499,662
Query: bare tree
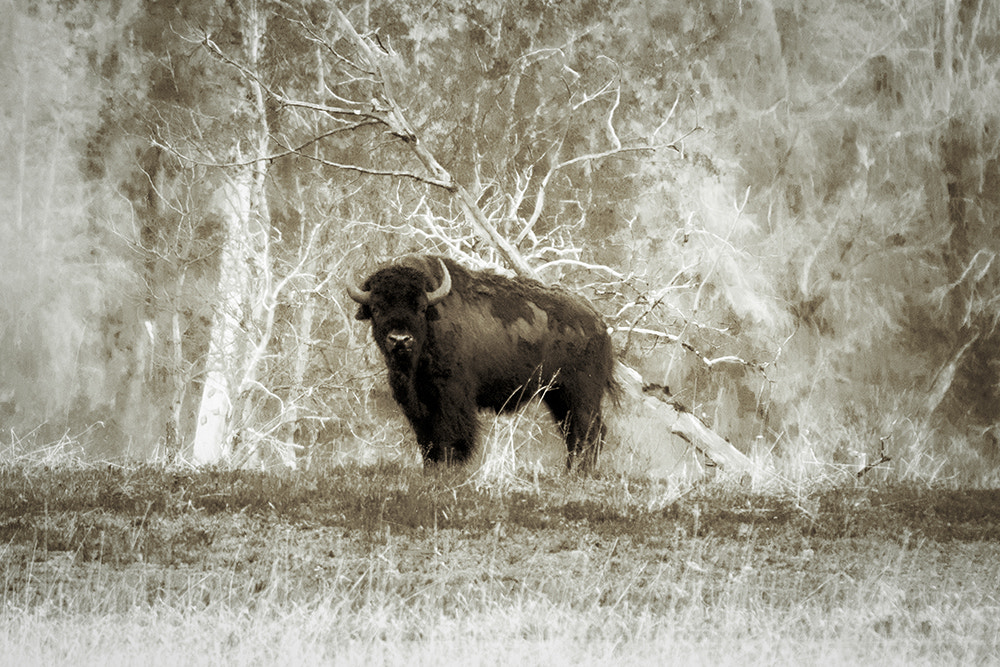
376,65
246,287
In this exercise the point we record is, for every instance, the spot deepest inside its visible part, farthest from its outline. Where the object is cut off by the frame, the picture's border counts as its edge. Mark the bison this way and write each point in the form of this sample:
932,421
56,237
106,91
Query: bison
456,340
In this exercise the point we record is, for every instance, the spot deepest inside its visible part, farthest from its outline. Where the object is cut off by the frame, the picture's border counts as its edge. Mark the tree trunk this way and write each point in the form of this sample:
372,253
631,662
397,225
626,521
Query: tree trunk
248,291
212,439
296,434
178,380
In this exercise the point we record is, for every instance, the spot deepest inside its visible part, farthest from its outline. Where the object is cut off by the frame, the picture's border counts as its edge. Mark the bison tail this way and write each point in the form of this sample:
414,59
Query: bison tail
620,384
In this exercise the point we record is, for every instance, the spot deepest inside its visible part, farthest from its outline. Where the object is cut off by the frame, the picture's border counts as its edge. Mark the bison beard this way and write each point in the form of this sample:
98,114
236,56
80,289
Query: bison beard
456,340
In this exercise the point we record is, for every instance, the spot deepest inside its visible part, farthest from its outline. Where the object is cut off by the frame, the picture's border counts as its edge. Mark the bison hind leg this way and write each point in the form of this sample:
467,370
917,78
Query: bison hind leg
581,425
584,439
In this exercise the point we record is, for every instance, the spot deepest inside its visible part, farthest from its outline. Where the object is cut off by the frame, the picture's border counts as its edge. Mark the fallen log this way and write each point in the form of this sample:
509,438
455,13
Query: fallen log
648,426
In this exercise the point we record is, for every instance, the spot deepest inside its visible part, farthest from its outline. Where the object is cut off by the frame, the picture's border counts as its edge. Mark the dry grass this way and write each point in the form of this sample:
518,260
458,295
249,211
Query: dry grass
390,565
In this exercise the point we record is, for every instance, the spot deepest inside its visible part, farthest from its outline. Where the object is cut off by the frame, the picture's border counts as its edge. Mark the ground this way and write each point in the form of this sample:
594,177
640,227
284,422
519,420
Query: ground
387,564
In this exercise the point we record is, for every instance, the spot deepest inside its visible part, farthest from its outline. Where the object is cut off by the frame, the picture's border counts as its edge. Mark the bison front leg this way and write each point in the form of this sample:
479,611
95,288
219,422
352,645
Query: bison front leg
449,433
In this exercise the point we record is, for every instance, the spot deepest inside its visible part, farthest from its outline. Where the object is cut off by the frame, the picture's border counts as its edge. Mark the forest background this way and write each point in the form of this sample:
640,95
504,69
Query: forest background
786,210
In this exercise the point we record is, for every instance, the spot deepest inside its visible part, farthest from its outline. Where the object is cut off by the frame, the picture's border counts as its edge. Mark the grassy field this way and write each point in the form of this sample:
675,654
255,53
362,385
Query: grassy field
390,565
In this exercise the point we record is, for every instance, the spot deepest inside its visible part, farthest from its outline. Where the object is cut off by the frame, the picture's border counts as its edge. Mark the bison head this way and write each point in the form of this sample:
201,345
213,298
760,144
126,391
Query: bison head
400,300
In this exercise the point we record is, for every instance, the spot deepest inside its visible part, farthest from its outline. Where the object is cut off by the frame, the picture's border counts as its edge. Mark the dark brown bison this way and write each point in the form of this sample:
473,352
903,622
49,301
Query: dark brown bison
457,340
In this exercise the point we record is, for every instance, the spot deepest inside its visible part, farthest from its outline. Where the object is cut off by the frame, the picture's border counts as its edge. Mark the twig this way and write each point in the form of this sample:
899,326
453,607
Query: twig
380,172
727,359
540,196
585,265
270,157
884,459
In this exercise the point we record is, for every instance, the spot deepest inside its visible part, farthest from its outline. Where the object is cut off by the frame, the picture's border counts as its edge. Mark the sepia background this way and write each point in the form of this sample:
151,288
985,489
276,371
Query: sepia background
787,211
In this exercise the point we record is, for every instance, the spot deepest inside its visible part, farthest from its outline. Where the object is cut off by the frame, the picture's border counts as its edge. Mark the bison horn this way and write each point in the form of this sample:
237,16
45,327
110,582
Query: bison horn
361,296
441,292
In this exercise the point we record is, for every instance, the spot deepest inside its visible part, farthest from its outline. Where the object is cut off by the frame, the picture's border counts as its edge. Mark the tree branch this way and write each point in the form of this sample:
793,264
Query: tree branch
709,362
540,197
399,125
362,110
379,172
269,158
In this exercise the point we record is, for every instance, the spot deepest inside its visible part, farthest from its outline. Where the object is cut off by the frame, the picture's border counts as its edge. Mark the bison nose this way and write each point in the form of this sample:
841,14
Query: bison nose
399,341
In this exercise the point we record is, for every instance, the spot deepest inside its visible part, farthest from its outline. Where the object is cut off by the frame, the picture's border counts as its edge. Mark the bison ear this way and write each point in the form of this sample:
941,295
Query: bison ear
364,313
432,314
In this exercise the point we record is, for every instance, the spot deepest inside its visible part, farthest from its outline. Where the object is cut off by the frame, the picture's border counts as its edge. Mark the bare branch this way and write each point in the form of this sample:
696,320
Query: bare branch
395,118
270,157
370,112
319,40
361,110
540,197
727,359
380,172
576,262
717,259
669,116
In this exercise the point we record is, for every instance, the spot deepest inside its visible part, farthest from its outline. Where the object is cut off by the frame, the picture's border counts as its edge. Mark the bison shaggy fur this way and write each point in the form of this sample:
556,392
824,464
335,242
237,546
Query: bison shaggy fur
456,340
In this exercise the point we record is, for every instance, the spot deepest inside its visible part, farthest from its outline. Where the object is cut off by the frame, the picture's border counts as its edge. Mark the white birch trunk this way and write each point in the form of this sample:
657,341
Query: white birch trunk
234,362
266,293
292,413
212,442
178,380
